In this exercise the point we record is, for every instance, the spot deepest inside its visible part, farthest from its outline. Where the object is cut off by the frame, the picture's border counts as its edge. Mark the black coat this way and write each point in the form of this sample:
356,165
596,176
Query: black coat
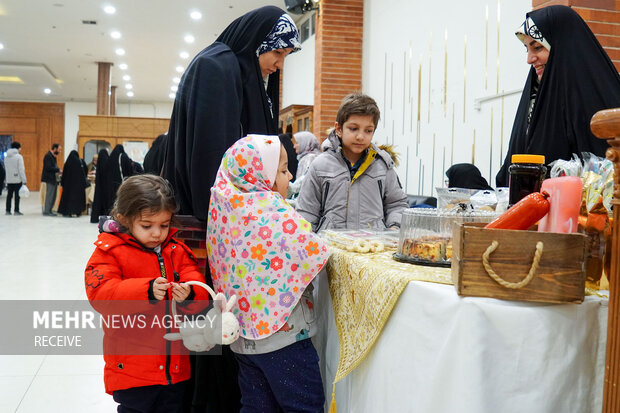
98,208
579,79
50,168
2,175
73,199
221,98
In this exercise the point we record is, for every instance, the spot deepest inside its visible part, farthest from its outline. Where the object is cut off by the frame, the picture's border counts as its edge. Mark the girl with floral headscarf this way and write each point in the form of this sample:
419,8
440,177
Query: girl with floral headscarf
261,250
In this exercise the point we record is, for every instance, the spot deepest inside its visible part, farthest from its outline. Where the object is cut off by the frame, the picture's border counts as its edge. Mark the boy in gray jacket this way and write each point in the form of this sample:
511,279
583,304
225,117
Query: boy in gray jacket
353,184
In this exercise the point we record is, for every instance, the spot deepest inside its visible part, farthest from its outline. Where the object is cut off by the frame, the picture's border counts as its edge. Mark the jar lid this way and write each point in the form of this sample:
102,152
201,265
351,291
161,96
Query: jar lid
528,159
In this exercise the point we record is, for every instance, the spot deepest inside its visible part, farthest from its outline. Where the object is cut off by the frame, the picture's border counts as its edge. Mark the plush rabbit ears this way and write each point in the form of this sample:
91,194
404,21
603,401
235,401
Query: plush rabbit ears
220,303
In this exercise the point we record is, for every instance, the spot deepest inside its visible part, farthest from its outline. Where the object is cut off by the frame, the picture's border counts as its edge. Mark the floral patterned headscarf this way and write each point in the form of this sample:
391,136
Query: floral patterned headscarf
259,248
283,34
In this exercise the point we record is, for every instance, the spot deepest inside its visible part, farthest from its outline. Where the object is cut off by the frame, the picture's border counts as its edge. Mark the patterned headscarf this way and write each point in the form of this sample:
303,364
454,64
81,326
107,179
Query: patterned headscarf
529,28
283,34
259,248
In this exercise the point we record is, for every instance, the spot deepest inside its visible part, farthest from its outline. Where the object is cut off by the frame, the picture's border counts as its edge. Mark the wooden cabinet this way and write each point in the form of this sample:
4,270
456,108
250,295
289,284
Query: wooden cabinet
118,129
298,116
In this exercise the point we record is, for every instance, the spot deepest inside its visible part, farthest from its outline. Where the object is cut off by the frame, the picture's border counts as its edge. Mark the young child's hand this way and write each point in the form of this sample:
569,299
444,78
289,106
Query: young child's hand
160,285
180,291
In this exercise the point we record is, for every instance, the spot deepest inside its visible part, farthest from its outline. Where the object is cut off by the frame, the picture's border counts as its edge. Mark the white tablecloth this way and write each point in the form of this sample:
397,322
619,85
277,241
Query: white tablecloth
442,353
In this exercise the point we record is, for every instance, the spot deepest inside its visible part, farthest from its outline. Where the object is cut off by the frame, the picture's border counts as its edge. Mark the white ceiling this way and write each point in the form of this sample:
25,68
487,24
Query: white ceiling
47,45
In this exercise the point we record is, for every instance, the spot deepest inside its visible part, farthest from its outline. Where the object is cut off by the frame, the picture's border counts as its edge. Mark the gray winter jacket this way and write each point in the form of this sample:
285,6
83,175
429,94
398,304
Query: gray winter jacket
14,165
328,199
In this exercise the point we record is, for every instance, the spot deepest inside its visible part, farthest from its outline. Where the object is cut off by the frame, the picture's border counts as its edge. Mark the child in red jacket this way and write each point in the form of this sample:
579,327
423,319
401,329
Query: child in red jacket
138,261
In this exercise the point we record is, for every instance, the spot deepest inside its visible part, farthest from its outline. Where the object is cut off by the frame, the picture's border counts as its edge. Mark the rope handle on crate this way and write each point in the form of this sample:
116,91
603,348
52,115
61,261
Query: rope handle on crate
500,280
203,285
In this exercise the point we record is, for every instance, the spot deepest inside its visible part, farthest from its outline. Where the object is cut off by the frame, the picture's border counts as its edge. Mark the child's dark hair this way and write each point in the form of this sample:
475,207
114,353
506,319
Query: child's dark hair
16,145
143,193
358,104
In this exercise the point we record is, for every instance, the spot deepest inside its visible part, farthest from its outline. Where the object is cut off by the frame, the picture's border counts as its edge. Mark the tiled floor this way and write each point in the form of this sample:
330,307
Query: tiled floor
43,258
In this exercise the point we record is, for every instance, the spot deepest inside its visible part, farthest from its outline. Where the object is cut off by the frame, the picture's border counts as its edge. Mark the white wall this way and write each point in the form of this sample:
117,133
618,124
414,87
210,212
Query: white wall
298,76
73,109
403,37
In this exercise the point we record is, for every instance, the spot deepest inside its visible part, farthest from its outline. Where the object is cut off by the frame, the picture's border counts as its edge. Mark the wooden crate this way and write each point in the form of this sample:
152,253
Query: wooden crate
560,276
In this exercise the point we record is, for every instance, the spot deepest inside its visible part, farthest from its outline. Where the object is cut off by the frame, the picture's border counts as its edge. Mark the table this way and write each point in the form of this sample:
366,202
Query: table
439,352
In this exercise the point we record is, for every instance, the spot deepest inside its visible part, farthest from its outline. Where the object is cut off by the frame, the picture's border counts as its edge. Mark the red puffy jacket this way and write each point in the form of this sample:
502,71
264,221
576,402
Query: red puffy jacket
122,269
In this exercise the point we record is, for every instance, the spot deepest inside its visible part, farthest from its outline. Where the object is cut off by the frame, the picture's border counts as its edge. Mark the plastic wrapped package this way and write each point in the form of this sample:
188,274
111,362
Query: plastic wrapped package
426,234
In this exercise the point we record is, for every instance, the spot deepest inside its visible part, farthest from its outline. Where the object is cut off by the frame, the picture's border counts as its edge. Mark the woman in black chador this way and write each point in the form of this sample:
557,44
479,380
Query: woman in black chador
570,79
118,167
73,199
229,90
97,208
154,158
466,175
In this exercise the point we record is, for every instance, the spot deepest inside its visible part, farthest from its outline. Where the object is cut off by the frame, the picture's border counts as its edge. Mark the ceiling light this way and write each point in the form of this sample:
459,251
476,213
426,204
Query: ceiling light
171,95
130,94
176,79
109,9
123,66
1,46
11,79
126,78
47,90
189,38
174,88
115,34
196,15
120,52
129,86
183,55
179,69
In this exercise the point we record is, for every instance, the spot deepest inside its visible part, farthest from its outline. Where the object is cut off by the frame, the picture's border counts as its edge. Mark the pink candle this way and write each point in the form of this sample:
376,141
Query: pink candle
564,200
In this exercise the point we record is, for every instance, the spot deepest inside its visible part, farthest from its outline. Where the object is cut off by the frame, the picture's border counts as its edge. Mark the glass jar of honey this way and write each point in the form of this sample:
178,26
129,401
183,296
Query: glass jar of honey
526,175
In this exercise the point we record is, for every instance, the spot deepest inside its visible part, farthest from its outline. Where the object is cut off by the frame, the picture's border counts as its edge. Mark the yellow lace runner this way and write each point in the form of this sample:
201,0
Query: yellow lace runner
364,289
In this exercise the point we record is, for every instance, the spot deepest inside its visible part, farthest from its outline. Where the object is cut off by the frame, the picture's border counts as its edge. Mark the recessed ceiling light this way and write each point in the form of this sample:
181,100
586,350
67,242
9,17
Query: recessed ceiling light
184,55
123,66
129,86
176,79
171,95
179,69
130,94
1,46
47,90
120,52
174,88
196,15
11,79
115,34
189,38
109,9
126,78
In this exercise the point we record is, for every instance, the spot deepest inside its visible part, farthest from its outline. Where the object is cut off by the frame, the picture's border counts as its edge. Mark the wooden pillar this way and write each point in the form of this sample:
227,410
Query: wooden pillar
338,58
103,88
606,125
113,100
